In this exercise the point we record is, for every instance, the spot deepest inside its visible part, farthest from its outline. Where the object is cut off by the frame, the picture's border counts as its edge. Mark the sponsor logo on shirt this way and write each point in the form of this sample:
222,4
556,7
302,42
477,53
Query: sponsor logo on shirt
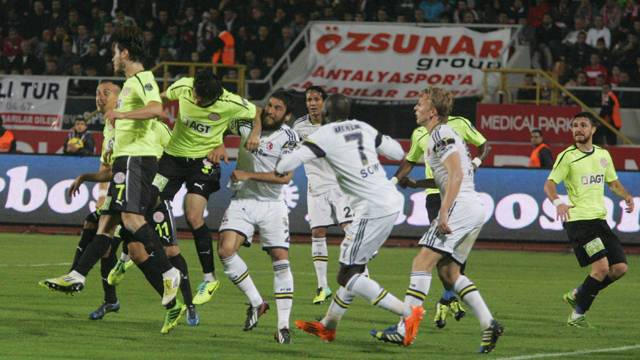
214,117
592,179
603,162
198,127
148,87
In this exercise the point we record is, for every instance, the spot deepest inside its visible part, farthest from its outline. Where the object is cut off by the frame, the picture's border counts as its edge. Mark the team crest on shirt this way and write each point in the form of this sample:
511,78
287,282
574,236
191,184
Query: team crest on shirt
158,217
119,177
126,91
214,117
148,87
603,162
269,145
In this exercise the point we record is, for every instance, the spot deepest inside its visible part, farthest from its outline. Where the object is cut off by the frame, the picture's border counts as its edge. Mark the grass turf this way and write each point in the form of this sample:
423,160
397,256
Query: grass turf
523,290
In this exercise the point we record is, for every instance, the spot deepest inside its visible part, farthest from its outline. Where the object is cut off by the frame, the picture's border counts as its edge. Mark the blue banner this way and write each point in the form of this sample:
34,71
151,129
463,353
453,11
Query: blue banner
33,190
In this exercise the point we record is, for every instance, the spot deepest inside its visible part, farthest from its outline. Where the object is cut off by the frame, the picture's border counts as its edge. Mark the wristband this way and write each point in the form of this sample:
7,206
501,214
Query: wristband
476,161
557,202
394,180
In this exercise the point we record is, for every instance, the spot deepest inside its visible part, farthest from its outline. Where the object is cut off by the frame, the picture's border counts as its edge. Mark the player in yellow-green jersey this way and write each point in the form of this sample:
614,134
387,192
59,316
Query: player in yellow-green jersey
585,168
448,302
130,192
193,155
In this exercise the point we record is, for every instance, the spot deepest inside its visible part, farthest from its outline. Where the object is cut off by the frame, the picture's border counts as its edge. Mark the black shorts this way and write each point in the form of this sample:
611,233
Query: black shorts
201,176
592,240
433,206
130,189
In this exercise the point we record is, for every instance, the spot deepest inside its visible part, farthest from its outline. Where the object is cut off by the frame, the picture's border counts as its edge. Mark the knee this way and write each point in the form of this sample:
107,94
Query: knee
618,270
172,251
600,273
194,220
225,249
319,232
136,252
347,272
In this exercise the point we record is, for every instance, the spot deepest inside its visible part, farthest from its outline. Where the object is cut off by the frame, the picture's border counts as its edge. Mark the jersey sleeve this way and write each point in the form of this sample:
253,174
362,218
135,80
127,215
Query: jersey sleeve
241,127
444,141
610,171
559,171
178,88
147,89
473,136
319,141
240,108
416,152
291,142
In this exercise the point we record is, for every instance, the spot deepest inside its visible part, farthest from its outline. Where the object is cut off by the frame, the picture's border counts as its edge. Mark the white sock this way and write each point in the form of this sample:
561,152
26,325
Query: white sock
419,283
375,294
124,257
339,306
283,291
468,292
320,256
237,271
76,275
209,277
171,273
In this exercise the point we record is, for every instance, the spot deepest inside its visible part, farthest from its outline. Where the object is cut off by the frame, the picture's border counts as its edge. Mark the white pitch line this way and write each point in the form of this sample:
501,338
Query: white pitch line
573,353
35,265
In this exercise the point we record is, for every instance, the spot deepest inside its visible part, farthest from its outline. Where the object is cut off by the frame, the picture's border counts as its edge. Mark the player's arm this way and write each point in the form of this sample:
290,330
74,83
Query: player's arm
302,154
267,177
454,180
253,141
483,151
103,175
152,110
388,147
558,174
618,189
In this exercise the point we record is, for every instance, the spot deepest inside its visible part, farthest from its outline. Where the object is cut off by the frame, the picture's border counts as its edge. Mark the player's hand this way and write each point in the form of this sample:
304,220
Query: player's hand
239,175
253,141
74,189
107,156
562,212
218,154
443,223
407,182
112,116
630,204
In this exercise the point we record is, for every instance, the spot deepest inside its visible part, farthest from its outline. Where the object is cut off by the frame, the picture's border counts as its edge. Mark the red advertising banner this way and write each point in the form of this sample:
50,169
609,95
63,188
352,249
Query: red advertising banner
507,122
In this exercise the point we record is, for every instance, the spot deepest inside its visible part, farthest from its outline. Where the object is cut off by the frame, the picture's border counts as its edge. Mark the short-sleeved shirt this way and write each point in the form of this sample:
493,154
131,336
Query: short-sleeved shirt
461,125
136,137
584,176
199,129
107,142
350,149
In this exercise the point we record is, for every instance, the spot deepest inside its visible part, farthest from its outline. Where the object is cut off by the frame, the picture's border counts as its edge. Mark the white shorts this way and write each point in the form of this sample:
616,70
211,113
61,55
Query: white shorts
271,218
465,221
329,208
364,237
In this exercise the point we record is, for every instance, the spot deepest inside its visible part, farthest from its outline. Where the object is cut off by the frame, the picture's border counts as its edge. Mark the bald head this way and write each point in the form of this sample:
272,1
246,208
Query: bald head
107,96
337,107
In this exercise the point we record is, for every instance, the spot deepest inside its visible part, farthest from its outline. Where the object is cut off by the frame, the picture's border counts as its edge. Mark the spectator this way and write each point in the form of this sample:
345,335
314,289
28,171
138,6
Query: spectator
93,59
37,21
585,11
123,19
51,66
631,11
7,139
562,13
106,39
67,59
610,113
627,51
611,14
432,9
541,156
150,43
598,31
263,45
614,79
517,10
230,20
77,86
418,16
578,54
170,40
578,27
45,44
256,20
162,25
382,15
29,60
595,69
11,45
548,37
537,12
79,141
462,8
603,52
81,41
527,35
56,17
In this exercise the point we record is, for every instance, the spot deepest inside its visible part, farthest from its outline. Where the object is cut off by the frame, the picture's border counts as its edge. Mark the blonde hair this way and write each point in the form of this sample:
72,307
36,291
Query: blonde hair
441,99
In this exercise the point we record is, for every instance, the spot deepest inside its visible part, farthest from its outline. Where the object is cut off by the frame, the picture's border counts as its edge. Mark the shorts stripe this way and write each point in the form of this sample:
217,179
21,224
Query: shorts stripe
358,240
430,236
241,278
126,182
381,296
174,236
467,290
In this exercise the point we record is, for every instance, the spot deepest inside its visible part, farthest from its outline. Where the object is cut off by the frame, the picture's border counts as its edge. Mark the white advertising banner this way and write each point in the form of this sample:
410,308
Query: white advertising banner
376,62
32,102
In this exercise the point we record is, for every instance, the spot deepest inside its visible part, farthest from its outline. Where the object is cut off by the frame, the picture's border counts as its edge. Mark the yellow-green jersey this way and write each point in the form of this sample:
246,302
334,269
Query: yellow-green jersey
162,133
107,142
199,129
584,176
461,125
136,137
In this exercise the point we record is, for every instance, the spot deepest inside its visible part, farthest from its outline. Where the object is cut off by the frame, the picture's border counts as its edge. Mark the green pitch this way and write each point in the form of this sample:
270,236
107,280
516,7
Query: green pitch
522,289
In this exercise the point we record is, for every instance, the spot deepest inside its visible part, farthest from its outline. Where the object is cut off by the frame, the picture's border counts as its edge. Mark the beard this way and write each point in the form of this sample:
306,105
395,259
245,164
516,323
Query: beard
270,123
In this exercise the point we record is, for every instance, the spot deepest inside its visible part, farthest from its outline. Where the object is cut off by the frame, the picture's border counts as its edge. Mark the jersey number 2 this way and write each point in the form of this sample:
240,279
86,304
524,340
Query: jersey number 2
357,136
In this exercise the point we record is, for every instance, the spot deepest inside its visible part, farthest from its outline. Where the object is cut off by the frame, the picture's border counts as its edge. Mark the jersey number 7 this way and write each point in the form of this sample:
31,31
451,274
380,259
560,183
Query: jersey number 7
357,136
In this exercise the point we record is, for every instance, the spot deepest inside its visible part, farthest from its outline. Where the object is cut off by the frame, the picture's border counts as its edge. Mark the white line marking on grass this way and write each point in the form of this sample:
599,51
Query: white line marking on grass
36,265
573,353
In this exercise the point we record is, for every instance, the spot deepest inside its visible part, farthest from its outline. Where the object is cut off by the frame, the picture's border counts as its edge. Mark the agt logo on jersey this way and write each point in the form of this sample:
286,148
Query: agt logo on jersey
196,126
592,179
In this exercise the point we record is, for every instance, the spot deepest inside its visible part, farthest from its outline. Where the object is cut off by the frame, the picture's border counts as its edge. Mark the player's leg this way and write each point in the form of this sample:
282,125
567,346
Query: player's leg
320,219
123,263
111,303
89,230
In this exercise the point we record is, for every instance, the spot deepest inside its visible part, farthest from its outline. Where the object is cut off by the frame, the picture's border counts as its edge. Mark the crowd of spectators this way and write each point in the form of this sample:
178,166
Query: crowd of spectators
586,42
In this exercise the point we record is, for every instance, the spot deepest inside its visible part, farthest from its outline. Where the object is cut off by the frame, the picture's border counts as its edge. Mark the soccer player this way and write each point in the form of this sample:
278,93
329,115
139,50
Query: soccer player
448,242
130,194
326,203
351,147
194,153
585,168
258,202
448,302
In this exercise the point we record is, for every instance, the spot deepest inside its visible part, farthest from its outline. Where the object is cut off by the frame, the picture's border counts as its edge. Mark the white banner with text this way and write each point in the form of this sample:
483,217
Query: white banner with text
32,102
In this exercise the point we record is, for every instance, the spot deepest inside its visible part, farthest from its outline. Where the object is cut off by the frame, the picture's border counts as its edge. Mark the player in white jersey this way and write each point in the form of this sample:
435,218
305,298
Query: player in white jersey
326,204
258,203
448,242
351,148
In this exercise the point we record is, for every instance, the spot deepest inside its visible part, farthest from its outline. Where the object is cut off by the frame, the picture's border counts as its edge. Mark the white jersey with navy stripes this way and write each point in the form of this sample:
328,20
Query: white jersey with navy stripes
350,149
272,146
320,176
443,142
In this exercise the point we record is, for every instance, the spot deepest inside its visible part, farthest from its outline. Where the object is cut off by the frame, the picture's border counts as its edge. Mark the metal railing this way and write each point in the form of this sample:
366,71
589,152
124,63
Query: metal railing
544,82
239,81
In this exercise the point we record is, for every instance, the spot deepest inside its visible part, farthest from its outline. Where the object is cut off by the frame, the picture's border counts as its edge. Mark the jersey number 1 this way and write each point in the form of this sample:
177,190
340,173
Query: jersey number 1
357,136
